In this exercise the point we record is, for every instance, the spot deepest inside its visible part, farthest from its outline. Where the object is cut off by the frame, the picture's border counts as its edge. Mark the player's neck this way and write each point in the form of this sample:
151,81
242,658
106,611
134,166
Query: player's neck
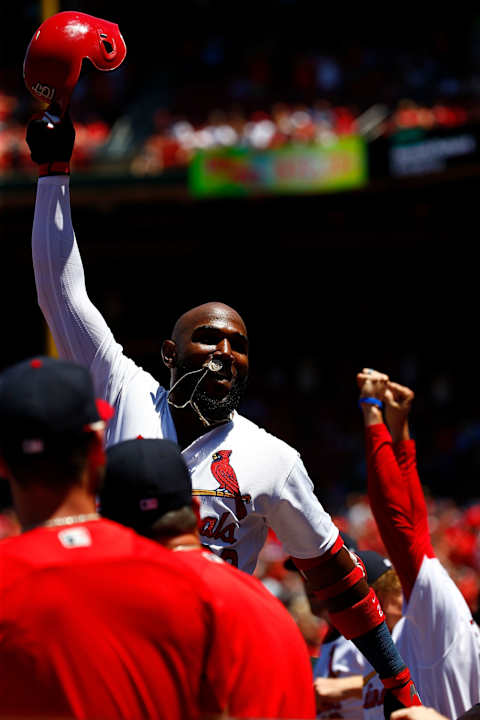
37,504
188,425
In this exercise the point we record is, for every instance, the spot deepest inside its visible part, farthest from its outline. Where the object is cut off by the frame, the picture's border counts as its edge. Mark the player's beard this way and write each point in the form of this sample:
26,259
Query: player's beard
220,409
214,409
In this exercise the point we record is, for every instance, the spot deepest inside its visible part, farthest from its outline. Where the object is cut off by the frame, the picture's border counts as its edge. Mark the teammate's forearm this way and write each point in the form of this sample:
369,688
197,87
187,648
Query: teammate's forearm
372,415
399,430
337,689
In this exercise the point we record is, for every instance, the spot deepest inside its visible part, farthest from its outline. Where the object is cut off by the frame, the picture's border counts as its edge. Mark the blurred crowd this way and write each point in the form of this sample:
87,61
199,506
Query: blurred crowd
174,138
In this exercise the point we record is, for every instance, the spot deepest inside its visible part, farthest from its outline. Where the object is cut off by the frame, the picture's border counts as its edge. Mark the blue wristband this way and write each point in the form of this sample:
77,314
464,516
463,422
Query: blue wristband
370,401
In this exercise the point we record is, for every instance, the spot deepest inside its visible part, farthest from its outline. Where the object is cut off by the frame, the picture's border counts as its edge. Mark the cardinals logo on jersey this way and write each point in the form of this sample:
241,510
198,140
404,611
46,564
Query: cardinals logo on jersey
225,475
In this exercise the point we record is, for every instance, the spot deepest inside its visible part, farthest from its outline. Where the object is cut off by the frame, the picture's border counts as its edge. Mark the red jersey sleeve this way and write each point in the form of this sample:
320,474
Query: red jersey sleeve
406,454
397,503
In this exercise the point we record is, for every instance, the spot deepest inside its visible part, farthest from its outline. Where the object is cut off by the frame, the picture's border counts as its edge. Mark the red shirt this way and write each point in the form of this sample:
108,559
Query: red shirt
267,672
97,622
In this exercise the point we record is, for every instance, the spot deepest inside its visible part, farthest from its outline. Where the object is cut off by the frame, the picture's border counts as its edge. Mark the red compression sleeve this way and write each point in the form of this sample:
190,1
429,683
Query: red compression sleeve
360,617
357,620
338,579
397,502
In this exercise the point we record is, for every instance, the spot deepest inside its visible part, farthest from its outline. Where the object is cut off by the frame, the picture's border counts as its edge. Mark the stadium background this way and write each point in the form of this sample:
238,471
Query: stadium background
383,274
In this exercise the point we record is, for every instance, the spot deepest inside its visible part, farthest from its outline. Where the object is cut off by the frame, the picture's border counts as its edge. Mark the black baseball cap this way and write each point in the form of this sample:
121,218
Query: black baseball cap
375,564
44,400
145,478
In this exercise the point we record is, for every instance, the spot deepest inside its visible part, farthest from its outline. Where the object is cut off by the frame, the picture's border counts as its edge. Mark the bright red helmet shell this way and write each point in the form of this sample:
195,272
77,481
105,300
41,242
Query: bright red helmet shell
54,56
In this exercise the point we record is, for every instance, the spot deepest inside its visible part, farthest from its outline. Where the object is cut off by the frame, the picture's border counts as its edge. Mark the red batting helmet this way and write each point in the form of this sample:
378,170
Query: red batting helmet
54,56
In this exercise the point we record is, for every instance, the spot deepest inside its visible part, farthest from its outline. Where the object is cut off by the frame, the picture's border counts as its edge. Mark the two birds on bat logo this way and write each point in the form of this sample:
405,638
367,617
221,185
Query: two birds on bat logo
225,475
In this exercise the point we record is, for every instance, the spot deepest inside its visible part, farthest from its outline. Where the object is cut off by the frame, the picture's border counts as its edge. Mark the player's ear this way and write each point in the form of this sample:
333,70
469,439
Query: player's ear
169,353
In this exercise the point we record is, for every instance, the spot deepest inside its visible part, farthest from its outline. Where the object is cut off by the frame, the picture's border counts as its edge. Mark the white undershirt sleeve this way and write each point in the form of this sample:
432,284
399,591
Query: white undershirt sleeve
79,330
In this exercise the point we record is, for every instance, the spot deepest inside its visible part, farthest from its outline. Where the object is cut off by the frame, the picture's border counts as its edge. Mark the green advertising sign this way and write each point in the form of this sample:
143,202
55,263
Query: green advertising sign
291,169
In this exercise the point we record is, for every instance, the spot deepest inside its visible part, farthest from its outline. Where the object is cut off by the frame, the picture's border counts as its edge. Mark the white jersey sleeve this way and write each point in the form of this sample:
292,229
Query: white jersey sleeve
298,518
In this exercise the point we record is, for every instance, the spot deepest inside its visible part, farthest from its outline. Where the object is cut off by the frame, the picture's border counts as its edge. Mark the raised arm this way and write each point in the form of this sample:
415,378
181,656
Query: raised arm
398,402
394,489
78,328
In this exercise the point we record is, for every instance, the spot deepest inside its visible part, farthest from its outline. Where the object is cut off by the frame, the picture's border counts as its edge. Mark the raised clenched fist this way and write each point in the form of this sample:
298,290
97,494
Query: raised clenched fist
372,383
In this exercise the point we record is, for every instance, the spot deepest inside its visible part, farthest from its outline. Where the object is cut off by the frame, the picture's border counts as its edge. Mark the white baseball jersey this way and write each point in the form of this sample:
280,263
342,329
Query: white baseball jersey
274,486
438,640
340,658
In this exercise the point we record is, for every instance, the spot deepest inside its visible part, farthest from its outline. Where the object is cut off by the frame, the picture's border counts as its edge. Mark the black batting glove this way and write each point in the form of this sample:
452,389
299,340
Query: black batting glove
51,140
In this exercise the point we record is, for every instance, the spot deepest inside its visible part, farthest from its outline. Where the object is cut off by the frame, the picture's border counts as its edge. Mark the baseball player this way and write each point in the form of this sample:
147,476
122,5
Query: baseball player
95,622
437,634
147,487
245,479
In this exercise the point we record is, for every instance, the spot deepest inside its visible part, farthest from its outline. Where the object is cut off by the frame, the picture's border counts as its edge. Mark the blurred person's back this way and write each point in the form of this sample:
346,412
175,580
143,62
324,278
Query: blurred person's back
97,622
